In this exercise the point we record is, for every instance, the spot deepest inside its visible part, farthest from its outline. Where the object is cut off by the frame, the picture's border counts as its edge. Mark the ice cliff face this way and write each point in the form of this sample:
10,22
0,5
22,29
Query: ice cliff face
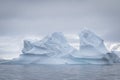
91,45
111,58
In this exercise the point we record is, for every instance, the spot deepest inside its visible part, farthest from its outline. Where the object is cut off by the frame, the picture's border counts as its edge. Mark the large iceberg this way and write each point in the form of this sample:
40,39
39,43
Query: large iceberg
55,49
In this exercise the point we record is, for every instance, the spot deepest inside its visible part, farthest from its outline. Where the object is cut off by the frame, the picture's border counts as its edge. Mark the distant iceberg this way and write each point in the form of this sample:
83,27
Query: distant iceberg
54,49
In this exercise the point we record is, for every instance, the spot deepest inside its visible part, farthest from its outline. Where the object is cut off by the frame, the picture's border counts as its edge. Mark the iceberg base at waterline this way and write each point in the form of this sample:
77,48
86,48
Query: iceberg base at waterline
38,59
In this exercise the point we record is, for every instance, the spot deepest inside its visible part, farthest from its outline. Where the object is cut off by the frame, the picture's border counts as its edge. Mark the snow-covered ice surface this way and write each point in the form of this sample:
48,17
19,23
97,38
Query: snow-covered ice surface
54,49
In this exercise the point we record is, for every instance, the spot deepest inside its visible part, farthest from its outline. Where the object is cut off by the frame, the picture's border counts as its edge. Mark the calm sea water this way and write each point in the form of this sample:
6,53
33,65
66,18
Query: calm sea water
59,72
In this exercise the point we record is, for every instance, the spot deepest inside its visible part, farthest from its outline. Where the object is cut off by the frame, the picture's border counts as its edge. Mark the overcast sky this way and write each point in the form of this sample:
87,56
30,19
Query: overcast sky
41,17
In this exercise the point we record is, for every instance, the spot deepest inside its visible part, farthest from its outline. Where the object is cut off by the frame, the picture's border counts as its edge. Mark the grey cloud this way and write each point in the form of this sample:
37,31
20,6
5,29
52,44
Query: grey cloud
21,17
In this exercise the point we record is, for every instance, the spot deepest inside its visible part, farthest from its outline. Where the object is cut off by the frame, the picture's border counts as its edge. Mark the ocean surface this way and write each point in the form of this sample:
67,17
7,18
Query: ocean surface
59,72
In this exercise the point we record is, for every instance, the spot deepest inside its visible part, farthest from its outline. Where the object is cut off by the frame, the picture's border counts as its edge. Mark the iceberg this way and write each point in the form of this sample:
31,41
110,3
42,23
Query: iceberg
55,49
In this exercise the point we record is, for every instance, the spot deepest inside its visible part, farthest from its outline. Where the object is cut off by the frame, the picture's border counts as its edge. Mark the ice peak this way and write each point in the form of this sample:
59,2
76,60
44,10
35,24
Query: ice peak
55,37
87,37
59,36
91,44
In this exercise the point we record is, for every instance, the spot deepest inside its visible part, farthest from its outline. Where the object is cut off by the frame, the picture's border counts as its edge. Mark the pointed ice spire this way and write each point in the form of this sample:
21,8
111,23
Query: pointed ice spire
87,37
91,44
